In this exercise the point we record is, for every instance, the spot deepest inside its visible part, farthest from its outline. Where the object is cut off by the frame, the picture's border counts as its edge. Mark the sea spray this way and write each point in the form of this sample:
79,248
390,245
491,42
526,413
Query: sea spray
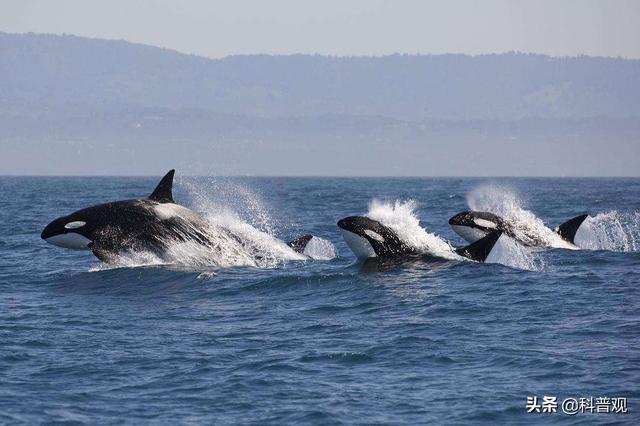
238,231
612,230
509,252
400,217
224,195
320,249
239,209
506,203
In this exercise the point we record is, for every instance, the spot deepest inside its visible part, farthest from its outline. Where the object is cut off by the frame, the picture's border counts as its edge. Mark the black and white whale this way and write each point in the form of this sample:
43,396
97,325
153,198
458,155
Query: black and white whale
149,224
368,238
473,225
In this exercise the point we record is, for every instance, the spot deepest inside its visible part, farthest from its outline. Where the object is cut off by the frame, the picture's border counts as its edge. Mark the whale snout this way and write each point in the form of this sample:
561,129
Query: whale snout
49,231
55,227
354,230
461,218
358,224
346,223
63,233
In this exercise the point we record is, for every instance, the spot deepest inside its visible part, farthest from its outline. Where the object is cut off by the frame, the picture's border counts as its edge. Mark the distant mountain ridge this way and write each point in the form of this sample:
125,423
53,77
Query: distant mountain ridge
68,76
73,105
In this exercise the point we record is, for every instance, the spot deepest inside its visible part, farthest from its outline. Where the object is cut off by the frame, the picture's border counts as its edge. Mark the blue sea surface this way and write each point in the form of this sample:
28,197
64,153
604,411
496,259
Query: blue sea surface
319,341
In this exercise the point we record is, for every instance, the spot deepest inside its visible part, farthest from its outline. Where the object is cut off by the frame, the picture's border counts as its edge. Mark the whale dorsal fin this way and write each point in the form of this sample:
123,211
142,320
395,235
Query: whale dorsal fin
163,192
479,251
568,229
299,244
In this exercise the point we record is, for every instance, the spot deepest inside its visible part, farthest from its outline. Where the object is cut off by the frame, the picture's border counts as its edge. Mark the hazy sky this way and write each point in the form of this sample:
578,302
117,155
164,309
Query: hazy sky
343,27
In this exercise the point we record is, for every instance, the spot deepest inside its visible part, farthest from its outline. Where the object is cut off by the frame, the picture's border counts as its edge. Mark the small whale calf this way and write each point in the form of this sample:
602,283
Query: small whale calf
150,224
473,225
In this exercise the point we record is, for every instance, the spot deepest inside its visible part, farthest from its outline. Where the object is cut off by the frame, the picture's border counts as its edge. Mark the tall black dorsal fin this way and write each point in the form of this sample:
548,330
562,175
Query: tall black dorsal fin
163,192
479,251
568,229
299,244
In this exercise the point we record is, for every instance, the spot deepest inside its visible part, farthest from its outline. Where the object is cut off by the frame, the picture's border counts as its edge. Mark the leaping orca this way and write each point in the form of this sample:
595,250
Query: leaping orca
473,225
368,238
140,225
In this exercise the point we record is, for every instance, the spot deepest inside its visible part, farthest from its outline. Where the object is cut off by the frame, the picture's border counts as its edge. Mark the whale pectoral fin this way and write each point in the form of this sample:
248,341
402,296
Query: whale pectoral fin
299,244
568,229
479,251
102,253
163,192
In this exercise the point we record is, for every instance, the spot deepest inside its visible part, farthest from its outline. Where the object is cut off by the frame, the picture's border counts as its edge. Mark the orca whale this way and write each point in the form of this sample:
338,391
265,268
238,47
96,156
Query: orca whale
368,238
149,224
473,225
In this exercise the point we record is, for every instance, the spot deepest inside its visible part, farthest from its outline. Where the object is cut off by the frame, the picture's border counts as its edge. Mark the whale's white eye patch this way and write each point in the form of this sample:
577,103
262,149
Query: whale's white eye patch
484,223
374,235
75,225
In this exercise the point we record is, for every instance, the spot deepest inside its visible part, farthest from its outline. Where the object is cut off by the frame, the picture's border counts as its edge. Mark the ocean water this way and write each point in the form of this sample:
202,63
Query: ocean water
326,340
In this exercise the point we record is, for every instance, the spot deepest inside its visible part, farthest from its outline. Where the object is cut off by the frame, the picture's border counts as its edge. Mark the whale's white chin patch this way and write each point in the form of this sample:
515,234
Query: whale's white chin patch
70,240
470,234
358,245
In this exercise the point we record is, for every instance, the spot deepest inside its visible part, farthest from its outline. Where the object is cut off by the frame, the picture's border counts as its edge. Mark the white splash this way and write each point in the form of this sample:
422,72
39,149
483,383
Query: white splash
612,230
400,217
224,238
262,248
320,249
509,252
504,202
130,259
169,210
222,195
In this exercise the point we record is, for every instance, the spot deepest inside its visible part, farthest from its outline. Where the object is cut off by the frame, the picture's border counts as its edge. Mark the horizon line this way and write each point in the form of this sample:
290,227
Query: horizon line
327,55
332,176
